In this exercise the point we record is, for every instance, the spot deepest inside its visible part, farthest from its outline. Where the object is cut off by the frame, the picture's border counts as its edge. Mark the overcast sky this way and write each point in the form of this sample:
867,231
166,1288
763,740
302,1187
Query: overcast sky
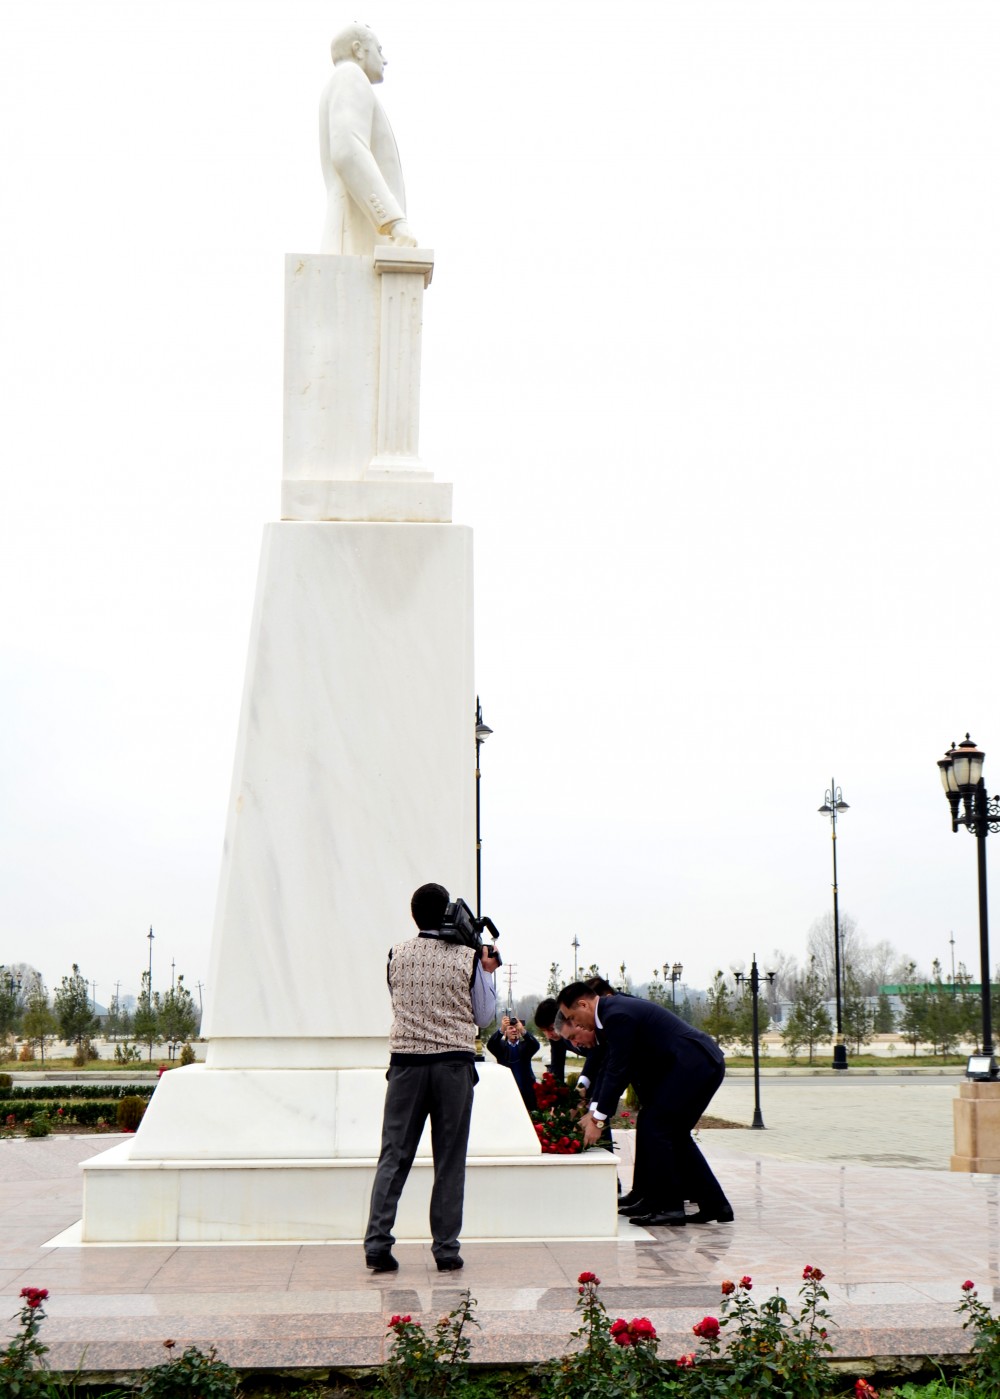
711,356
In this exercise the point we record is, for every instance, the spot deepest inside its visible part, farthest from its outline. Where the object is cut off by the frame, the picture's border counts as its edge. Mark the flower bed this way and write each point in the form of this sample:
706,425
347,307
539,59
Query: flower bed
748,1351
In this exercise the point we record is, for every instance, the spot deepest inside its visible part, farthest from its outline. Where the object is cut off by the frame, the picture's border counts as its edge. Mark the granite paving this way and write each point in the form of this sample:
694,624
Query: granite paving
850,1176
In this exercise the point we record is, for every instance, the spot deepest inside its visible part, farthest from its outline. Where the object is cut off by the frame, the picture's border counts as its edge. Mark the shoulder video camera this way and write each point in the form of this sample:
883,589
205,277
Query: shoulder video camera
460,925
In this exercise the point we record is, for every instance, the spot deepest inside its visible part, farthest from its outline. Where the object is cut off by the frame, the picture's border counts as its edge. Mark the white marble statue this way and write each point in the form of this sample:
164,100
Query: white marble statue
366,204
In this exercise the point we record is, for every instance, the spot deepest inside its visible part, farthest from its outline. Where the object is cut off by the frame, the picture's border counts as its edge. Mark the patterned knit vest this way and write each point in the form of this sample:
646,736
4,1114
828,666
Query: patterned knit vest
431,999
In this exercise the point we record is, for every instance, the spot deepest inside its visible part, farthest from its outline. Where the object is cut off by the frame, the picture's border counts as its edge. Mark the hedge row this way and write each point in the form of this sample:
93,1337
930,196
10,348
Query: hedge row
64,1093
79,1114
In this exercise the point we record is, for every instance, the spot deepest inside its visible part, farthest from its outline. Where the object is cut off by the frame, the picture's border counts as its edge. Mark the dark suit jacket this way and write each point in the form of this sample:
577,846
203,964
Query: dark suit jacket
648,1046
518,1058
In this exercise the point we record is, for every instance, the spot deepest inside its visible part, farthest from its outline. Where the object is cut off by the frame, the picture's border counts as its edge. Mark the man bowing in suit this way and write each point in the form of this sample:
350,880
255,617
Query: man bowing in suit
675,1070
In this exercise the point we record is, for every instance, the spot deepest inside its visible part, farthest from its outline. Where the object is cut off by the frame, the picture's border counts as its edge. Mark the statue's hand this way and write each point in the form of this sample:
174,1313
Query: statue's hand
401,235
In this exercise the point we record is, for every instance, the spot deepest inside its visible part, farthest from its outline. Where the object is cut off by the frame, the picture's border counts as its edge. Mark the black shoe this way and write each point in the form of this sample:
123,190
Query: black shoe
450,1265
381,1262
657,1217
632,1198
716,1216
640,1207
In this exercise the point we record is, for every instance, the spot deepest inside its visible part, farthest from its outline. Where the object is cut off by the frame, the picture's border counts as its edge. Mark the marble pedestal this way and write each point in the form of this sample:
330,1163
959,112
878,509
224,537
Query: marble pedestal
977,1128
288,1155
353,784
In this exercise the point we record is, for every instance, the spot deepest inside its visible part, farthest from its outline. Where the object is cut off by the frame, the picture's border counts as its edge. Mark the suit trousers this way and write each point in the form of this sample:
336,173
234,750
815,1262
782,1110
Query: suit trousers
443,1092
669,1166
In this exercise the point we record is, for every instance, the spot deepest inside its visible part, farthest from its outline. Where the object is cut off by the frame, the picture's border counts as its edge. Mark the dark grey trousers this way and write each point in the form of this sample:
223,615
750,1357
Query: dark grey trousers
442,1092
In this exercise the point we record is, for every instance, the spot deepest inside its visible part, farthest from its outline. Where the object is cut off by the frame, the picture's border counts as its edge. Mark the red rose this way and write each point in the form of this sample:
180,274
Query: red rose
728,1288
686,1362
746,1283
707,1328
968,1286
589,1277
643,1328
863,1390
618,1326
812,1274
623,1338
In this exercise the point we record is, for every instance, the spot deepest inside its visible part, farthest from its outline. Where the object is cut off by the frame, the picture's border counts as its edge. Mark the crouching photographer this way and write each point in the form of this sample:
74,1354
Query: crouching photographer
441,989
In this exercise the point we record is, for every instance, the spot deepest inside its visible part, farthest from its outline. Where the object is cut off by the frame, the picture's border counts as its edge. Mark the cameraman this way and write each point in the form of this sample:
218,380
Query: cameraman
441,990
513,1046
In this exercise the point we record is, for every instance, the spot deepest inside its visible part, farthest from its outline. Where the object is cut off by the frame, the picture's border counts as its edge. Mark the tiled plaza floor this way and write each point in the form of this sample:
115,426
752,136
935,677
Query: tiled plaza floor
851,1178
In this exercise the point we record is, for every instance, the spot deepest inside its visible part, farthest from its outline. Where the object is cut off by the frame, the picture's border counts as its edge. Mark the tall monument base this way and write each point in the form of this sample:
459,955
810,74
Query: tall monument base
353,784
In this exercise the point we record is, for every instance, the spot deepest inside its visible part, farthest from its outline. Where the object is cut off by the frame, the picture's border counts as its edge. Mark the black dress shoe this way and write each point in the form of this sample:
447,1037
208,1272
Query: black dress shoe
657,1217
632,1198
381,1262
636,1207
717,1216
450,1265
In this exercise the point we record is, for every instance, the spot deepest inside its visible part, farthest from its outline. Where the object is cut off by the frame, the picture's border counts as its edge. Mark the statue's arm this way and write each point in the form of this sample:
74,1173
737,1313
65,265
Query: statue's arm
352,104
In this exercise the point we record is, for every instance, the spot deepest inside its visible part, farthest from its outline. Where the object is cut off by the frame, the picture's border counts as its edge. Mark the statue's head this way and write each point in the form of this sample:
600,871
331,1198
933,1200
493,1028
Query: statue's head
358,44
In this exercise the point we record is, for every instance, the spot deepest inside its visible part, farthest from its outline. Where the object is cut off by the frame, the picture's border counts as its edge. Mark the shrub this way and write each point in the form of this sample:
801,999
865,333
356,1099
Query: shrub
22,1361
127,1053
193,1375
39,1092
38,1125
5,1082
617,1358
767,1349
27,1053
984,1366
130,1113
428,1365
187,1056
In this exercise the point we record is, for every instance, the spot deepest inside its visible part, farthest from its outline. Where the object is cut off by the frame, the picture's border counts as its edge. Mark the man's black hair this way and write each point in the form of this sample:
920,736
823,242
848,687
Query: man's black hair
572,993
428,906
599,986
546,1012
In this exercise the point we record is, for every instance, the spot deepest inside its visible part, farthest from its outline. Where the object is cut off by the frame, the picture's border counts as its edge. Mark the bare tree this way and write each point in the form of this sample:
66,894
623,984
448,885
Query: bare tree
820,951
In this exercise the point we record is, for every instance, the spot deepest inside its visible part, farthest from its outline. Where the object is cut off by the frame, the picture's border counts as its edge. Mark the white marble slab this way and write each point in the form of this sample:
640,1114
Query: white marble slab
353,781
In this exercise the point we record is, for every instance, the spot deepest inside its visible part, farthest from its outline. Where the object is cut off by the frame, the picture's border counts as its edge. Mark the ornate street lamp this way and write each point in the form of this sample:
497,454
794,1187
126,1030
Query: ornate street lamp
483,732
754,979
673,974
961,771
833,803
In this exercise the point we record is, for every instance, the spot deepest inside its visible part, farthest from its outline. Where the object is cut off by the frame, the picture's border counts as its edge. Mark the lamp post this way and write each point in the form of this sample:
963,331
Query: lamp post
673,974
483,732
833,803
961,771
575,944
753,980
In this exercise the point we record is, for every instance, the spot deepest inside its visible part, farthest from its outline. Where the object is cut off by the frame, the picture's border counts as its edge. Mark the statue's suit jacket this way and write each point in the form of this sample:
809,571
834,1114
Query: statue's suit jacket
364,180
